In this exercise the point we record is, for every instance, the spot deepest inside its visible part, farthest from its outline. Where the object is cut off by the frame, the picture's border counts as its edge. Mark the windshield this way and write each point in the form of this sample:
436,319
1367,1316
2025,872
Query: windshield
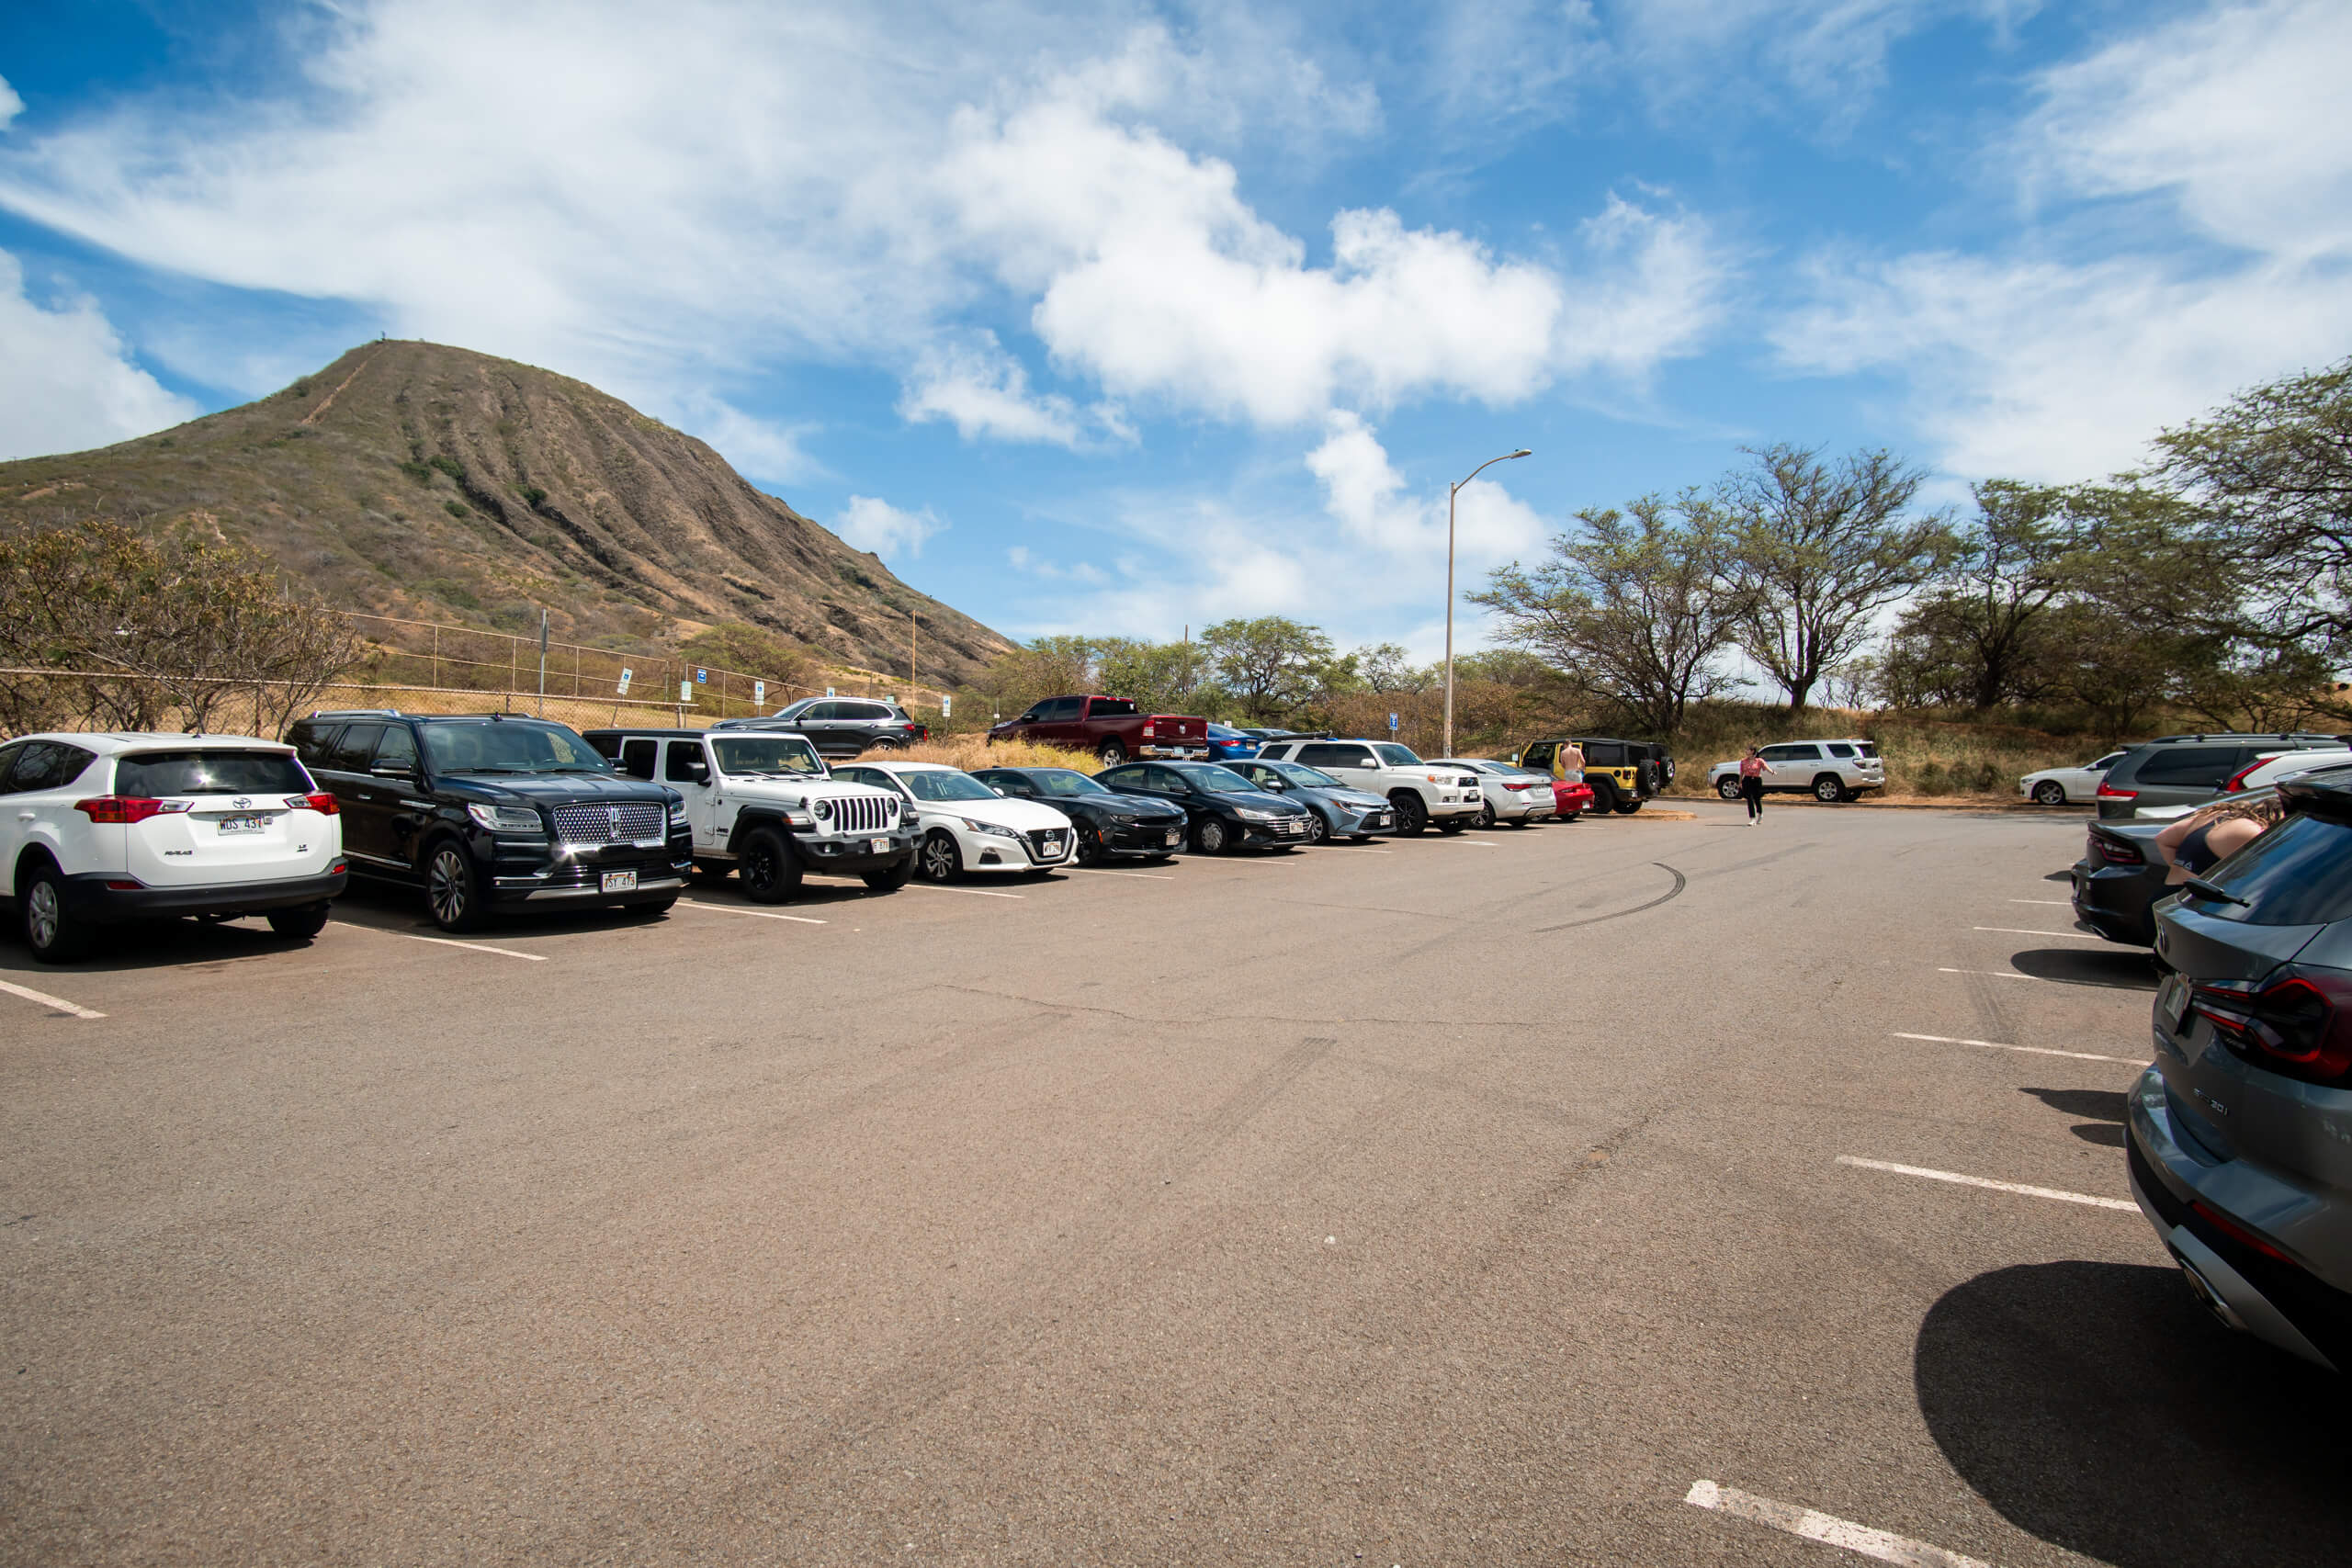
1300,773
786,755
509,746
153,774
1397,756
1209,776
1063,782
924,784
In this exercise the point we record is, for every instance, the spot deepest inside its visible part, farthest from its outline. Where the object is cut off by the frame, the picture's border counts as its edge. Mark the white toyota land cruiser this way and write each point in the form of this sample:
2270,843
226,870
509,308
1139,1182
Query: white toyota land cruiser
761,803
1444,794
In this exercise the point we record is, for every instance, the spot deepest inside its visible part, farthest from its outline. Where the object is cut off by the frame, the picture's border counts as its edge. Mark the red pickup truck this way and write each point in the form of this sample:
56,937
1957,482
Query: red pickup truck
1111,727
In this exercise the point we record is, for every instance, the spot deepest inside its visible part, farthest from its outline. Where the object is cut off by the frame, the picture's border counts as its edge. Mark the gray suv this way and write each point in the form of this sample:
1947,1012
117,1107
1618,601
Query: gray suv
2241,1133
2188,770
841,727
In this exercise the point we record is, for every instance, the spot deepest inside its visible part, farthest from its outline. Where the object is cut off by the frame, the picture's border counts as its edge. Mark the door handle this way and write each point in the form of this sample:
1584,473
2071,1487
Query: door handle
23,815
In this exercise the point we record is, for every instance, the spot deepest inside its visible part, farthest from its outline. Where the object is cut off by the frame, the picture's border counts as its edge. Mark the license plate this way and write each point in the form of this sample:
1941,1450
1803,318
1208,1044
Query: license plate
242,824
2172,1001
617,882
1377,819
1175,837
878,846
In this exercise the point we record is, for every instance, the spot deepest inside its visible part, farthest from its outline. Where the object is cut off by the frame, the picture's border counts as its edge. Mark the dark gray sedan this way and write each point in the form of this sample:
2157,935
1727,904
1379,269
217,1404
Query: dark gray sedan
1340,811
2121,874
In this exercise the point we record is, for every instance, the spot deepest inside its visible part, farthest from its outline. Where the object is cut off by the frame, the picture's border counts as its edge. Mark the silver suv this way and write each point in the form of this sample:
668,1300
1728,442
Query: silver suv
2188,770
1830,771
1444,795
2241,1133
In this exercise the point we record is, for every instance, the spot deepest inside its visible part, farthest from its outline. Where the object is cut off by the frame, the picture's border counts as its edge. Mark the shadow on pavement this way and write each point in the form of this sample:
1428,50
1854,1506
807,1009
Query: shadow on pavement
2105,1108
2129,970
2096,1406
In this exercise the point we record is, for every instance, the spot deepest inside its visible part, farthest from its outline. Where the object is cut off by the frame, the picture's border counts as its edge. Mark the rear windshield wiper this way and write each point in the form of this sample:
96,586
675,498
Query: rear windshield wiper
2205,889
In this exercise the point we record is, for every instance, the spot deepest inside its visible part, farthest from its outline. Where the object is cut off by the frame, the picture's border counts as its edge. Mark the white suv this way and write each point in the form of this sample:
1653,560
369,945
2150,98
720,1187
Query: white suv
763,803
99,828
1830,771
1423,793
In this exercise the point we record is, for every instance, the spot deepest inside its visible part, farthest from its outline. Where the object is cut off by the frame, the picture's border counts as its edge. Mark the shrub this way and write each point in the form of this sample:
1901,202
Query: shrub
458,509
449,465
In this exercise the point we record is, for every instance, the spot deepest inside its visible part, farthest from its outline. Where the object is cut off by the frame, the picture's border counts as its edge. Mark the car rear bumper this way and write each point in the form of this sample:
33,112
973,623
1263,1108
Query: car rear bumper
1179,753
2117,903
2180,1190
89,897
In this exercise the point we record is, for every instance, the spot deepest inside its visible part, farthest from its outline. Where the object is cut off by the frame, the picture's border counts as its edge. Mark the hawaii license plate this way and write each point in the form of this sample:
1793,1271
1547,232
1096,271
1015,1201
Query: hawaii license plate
242,824
617,882
2172,1000
1175,837
878,846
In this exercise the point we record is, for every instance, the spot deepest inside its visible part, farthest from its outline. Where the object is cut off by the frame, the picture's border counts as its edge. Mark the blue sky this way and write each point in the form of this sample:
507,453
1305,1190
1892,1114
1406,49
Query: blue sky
1125,317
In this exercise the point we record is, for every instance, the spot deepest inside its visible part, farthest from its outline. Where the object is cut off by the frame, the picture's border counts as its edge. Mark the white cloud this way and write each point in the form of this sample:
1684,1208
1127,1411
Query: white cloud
758,448
66,379
867,524
11,105
972,382
1024,559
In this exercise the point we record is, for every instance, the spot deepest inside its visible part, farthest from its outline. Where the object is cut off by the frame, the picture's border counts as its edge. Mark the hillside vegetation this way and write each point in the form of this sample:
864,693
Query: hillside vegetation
417,480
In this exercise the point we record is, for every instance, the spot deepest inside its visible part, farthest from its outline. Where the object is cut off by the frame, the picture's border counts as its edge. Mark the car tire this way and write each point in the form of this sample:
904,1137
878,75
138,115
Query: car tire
1453,825
1486,815
1213,836
1111,753
890,881
940,860
1086,848
1412,813
1319,831
452,889
2050,791
51,929
1728,786
1604,795
886,743
1829,789
769,869
1624,804
301,923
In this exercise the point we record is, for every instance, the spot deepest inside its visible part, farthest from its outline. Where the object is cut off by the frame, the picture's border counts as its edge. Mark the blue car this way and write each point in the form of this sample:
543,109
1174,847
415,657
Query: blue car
1228,744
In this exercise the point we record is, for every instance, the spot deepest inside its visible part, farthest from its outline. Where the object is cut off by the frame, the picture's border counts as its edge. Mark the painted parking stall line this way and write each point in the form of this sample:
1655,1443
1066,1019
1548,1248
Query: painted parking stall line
58,1004
1140,876
1811,1523
760,914
2020,930
448,941
969,892
2057,1194
2052,902
2026,1050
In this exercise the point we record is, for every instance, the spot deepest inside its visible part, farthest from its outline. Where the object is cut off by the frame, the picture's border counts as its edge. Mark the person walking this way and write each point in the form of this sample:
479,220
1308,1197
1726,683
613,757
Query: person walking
1751,785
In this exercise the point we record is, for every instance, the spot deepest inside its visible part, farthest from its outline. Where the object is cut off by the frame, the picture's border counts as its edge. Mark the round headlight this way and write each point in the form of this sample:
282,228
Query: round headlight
823,809
889,809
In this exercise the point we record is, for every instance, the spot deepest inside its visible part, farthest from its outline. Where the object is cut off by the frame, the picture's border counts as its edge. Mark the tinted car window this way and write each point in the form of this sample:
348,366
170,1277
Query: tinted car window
2201,767
49,765
2298,874
397,749
868,711
1120,778
1210,776
8,755
311,740
160,775
1839,749
1539,755
354,748
686,763
1791,753
1062,708
637,758
1110,707
1325,755
1606,754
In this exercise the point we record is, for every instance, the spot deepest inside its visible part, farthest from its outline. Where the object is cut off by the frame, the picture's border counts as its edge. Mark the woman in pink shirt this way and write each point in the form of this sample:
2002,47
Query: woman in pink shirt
1751,785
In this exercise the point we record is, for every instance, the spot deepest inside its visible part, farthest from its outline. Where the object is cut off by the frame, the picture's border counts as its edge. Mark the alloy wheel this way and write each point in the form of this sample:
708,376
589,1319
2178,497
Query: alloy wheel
1317,830
939,857
1729,786
43,915
446,889
2050,791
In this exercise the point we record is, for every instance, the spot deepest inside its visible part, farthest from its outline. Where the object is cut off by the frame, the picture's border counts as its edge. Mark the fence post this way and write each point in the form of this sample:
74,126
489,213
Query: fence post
437,657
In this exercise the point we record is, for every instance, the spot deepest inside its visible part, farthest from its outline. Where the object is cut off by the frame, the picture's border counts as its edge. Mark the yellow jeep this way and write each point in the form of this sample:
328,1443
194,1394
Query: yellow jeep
1622,773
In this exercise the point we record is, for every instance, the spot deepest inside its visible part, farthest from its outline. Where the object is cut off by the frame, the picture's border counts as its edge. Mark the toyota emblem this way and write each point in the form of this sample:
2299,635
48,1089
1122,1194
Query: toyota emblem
241,802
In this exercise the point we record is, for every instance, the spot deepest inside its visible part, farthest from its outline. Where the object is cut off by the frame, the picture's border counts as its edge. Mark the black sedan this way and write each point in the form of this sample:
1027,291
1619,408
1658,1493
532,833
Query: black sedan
1226,812
1108,824
2118,880
1340,810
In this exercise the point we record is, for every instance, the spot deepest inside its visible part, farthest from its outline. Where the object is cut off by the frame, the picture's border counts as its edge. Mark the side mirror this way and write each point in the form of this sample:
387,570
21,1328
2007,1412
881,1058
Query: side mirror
999,788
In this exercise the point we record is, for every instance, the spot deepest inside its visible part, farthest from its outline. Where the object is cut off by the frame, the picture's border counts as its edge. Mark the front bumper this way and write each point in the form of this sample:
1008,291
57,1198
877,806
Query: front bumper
2273,1298
1288,831
87,897
1145,838
534,871
1348,824
854,856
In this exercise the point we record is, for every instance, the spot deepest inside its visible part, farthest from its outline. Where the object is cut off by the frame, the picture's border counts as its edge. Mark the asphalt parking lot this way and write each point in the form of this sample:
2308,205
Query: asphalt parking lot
1582,1194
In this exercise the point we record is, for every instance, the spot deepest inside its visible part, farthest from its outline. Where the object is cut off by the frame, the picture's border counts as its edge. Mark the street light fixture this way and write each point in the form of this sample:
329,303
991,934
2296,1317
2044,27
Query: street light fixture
1456,491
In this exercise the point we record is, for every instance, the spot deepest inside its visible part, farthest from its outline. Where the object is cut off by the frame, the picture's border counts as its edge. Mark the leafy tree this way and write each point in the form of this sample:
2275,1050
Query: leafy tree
1816,549
1047,667
1630,605
1162,677
1386,667
158,632
1975,638
1272,665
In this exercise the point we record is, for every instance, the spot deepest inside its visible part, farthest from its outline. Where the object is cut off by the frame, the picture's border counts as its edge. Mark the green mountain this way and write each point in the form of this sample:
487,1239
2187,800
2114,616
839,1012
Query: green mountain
412,480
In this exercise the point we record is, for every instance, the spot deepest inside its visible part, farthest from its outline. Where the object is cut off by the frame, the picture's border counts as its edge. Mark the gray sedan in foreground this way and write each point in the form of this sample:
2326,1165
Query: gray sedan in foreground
1340,811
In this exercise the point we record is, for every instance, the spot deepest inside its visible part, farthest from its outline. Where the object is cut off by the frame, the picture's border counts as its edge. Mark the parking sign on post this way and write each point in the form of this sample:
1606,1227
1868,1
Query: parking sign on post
1392,724
946,705
759,694
685,691
625,673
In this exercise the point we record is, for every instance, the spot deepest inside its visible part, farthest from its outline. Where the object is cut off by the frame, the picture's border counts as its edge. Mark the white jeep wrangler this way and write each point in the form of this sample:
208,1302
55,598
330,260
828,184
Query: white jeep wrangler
1443,794
763,804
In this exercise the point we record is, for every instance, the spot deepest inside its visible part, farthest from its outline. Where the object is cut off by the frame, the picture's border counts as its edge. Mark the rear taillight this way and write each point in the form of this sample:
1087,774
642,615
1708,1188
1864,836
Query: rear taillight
2115,851
1149,730
2108,791
2236,1232
127,807
2237,780
323,804
2297,1022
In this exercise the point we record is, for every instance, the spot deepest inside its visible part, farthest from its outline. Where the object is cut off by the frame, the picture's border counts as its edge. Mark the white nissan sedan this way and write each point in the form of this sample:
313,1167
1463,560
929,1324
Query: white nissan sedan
964,825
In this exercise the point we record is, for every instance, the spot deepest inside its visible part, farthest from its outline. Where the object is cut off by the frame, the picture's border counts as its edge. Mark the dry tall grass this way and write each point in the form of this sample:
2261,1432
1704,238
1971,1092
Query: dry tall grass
970,752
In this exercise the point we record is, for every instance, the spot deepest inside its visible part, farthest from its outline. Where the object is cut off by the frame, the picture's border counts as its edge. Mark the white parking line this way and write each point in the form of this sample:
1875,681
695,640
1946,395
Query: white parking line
2054,903
448,941
2001,974
45,999
1986,1182
974,892
763,914
2029,1050
1140,875
1826,1529
2020,930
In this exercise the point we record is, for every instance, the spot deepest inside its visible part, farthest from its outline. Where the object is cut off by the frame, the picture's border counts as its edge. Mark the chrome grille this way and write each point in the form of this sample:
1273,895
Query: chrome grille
628,822
861,814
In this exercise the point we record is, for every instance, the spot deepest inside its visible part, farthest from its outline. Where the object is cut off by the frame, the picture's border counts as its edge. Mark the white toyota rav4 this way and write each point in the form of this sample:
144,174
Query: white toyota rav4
97,830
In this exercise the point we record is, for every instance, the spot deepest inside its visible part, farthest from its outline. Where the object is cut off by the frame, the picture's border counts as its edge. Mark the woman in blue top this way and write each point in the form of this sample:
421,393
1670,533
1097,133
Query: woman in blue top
2211,834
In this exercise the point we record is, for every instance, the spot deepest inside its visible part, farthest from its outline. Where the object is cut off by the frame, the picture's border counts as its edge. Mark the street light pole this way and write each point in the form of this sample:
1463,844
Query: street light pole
1450,496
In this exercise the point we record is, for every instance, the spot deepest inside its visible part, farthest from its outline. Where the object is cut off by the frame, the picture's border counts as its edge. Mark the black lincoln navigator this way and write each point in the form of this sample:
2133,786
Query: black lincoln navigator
490,811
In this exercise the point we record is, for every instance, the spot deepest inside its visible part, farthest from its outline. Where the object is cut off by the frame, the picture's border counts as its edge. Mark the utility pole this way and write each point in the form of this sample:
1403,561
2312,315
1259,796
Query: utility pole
910,655
543,663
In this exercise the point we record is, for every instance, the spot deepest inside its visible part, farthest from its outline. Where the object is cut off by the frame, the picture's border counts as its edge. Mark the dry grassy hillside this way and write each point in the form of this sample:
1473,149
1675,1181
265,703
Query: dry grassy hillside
412,480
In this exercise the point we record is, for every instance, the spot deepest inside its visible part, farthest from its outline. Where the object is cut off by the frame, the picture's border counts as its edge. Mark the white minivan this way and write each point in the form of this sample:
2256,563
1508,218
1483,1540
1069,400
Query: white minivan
101,828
